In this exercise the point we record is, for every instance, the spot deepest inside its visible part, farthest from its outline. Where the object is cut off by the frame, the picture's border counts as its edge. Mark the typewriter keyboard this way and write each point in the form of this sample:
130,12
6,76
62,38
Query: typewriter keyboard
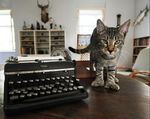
38,89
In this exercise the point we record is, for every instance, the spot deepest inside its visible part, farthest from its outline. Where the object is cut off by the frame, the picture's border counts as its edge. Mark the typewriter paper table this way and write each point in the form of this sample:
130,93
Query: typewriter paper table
131,102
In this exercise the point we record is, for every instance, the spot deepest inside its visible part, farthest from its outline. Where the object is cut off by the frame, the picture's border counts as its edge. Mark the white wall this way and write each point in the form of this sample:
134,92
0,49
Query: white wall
127,9
5,4
142,29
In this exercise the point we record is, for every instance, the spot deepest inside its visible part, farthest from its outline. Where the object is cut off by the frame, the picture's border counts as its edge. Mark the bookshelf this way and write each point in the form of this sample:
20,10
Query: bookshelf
57,40
41,41
139,44
27,42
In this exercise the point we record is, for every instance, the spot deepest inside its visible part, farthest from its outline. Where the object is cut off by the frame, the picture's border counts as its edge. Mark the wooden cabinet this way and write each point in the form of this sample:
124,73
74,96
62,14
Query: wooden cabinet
41,41
139,44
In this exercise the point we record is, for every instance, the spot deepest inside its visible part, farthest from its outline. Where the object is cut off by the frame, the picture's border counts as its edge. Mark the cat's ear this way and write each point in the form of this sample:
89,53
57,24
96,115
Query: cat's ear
100,26
123,29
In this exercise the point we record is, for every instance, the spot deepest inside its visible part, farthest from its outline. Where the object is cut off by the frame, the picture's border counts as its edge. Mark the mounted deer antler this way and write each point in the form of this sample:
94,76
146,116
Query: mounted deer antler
44,12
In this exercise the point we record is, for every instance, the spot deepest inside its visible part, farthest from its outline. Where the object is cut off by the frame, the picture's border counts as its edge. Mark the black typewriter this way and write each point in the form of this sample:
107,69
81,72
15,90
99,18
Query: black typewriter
35,84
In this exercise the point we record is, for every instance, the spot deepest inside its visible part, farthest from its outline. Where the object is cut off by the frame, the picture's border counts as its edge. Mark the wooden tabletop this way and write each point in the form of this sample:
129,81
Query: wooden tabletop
131,102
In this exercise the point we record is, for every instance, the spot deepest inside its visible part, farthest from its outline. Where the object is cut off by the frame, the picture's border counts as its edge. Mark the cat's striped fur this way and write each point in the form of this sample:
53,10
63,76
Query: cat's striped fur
105,46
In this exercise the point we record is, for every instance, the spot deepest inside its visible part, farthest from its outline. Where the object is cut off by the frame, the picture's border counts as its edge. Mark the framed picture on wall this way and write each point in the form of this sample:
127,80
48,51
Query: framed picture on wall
83,40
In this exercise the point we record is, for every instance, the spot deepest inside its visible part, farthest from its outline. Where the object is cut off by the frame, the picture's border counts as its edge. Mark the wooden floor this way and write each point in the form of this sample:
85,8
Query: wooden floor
131,102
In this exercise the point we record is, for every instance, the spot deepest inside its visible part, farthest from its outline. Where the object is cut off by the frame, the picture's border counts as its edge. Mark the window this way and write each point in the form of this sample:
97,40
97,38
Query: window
88,19
7,43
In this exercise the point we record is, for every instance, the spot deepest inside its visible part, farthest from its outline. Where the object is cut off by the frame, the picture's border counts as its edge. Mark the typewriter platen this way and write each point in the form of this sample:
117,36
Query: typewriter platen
33,85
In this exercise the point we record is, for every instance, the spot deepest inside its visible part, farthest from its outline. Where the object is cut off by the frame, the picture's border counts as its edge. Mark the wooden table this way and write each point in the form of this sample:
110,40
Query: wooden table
131,102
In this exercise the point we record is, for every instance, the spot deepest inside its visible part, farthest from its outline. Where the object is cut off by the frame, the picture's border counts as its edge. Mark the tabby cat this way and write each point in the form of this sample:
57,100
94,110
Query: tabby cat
105,46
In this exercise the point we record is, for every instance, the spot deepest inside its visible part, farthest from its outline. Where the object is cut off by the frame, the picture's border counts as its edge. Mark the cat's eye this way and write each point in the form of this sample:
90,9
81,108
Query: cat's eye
105,41
118,42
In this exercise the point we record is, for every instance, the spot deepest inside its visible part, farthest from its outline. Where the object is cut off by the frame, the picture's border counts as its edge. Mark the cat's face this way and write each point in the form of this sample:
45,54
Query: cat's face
110,39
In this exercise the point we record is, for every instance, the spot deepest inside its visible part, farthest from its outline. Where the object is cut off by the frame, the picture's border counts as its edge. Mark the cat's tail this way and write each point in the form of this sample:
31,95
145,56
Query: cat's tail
79,51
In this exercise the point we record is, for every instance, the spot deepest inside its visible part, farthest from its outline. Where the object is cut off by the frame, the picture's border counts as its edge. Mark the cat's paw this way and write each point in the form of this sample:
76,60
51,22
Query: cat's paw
116,80
113,77
112,85
97,82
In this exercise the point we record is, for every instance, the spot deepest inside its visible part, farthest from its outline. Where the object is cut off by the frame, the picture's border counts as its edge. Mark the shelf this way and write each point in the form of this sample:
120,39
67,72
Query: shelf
27,46
138,45
41,41
42,36
57,35
57,44
42,47
57,40
23,40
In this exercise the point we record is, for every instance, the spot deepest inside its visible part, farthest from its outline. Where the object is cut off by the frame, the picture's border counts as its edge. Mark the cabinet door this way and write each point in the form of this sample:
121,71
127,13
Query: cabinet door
57,40
27,42
42,42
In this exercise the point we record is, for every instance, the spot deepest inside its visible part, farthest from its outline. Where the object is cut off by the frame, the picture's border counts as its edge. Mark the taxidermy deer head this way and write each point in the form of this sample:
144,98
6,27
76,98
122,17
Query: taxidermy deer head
44,12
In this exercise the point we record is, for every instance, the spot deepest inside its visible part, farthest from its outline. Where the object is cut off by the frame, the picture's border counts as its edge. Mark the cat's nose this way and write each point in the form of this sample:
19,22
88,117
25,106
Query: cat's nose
110,50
